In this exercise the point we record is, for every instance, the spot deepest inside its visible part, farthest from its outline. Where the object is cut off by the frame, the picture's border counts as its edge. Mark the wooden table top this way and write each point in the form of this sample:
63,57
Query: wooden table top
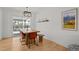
30,31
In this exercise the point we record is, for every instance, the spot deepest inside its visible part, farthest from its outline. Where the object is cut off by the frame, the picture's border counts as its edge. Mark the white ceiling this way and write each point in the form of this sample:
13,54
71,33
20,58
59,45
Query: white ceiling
33,9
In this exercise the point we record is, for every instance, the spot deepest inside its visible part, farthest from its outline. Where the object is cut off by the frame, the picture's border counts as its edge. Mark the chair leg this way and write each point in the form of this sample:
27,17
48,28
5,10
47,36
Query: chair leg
35,42
32,42
29,42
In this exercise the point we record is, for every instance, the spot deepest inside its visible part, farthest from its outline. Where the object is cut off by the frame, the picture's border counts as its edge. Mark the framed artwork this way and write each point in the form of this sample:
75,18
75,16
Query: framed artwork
70,19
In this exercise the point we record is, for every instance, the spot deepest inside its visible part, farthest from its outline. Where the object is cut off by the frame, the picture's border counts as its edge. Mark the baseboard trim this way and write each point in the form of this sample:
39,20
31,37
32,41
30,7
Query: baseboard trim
5,38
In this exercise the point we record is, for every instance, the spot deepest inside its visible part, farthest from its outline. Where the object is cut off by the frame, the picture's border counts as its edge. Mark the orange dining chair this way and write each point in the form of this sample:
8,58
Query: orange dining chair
31,38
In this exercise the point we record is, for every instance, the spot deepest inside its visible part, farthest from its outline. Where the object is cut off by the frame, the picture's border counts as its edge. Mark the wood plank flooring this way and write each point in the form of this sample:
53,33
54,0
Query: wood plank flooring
14,44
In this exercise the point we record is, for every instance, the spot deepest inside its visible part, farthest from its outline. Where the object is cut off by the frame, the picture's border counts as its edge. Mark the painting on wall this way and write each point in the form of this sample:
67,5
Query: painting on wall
70,19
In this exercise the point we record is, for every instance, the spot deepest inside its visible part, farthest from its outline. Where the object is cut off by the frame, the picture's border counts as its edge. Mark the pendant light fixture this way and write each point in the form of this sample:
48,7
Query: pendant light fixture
27,13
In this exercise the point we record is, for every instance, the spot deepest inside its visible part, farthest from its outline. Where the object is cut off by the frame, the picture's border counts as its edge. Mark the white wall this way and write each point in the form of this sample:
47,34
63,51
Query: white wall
33,20
53,29
0,23
8,15
7,25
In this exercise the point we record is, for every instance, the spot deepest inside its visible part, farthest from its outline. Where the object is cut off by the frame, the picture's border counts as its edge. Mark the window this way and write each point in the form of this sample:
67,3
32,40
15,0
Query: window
20,24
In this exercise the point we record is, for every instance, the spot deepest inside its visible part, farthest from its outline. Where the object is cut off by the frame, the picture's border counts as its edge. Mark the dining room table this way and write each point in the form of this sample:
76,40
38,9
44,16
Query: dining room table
26,32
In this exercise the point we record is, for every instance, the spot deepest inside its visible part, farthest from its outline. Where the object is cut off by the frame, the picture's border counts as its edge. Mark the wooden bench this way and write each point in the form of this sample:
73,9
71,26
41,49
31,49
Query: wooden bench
40,37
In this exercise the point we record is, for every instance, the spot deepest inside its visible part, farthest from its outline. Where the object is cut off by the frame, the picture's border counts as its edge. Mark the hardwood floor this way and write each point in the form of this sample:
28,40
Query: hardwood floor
14,44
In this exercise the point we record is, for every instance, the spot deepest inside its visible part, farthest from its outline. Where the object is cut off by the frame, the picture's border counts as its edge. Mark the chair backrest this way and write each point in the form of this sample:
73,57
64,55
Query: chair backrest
32,35
22,34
